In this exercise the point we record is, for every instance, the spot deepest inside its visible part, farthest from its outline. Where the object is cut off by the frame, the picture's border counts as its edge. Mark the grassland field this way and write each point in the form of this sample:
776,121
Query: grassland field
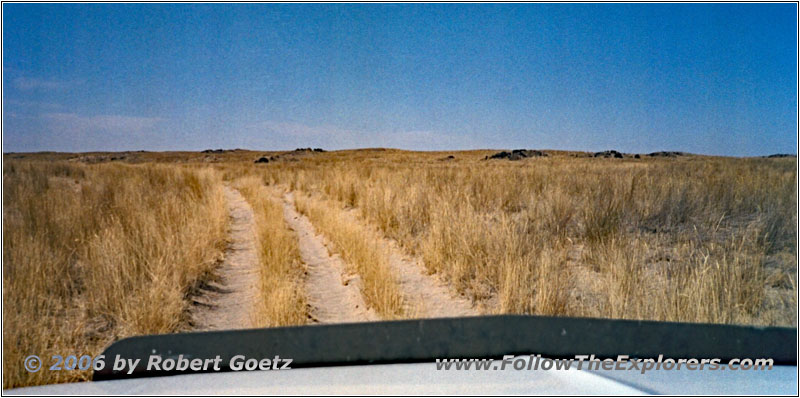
101,246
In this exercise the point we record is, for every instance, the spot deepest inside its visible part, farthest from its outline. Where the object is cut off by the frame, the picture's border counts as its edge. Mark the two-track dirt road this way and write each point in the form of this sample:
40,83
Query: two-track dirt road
333,295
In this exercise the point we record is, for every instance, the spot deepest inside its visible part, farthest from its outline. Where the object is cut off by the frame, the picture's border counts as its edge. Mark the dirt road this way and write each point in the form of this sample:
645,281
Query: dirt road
333,296
228,302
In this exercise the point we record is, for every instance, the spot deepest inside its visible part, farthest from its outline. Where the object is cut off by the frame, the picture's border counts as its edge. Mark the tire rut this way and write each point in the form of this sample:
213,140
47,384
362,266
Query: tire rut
333,296
229,300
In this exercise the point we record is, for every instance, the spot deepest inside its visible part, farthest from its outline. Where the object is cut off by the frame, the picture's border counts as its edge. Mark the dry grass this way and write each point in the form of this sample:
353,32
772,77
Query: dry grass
92,254
97,252
692,239
362,254
283,301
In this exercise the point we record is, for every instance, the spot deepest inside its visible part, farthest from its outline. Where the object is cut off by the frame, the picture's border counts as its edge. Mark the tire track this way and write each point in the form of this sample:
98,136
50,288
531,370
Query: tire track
228,302
333,296
428,294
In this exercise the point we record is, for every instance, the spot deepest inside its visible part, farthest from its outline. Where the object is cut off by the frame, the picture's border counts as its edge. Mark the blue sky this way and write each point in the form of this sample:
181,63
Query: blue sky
704,78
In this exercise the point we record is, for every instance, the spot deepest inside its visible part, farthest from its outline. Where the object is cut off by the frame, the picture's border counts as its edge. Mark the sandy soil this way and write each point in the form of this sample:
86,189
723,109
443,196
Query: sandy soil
333,296
428,295
228,302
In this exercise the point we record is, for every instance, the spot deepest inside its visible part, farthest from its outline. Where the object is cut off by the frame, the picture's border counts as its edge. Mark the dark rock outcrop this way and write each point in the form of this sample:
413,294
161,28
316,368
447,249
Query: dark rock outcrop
781,155
665,154
517,154
300,151
608,154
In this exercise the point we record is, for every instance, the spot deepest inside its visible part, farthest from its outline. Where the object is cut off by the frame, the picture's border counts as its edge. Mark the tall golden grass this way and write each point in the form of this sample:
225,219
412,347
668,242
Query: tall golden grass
95,253
283,300
690,239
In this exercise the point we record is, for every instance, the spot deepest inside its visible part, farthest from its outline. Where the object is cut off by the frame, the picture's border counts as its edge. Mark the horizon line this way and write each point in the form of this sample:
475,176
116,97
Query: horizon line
393,149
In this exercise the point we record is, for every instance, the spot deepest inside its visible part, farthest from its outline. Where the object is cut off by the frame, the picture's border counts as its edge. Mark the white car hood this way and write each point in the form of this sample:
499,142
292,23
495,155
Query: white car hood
423,378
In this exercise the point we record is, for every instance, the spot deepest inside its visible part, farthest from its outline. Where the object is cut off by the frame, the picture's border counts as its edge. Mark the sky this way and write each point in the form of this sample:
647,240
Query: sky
716,79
